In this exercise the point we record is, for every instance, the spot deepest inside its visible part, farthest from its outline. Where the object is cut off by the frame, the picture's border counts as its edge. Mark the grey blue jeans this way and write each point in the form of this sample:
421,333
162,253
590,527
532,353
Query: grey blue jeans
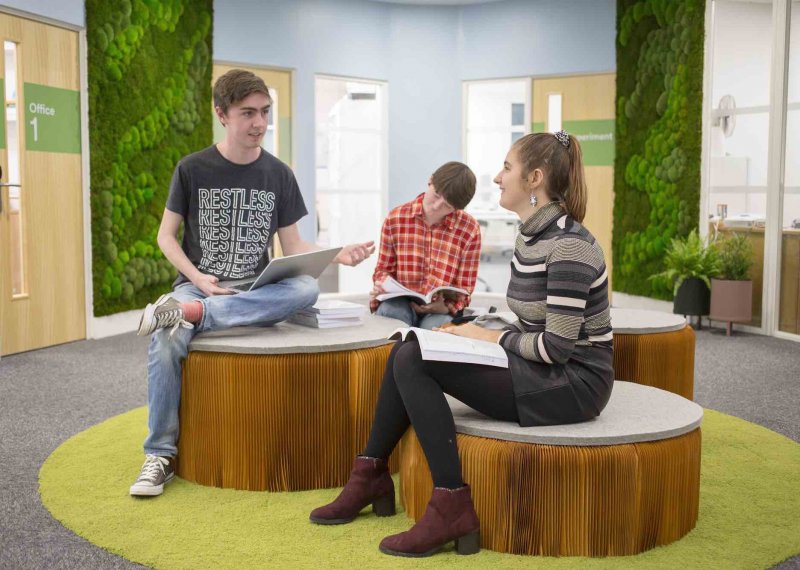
264,306
400,308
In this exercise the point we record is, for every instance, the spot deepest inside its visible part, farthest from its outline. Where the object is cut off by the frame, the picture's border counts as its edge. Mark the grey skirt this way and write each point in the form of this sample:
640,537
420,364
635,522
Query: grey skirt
576,391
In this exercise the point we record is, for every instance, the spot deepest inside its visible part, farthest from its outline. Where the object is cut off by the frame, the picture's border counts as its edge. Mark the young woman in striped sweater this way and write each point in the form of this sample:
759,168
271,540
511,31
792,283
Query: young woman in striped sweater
559,351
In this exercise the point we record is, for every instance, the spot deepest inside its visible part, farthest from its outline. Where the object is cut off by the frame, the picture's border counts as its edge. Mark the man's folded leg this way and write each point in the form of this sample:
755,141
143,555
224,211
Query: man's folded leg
266,305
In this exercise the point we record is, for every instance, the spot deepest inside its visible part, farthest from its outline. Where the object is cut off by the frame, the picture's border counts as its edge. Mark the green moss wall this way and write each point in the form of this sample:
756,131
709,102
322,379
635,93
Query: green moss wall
149,95
659,111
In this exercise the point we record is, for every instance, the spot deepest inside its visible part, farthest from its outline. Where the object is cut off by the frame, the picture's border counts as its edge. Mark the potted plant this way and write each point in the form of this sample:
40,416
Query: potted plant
732,289
690,265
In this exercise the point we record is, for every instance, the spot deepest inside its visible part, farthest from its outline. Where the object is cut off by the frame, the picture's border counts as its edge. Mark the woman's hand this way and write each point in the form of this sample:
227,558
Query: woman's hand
469,330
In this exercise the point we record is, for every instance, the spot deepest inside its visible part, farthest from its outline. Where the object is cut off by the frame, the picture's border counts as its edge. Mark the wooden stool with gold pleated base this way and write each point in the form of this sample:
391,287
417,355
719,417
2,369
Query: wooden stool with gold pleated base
575,500
655,349
284,421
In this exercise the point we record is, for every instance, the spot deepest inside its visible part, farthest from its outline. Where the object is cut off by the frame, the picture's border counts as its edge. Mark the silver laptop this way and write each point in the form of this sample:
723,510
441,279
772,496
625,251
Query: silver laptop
312,263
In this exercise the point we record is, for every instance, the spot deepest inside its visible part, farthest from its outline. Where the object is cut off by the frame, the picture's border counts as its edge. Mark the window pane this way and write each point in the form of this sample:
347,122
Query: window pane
518,114
554,112
739,131
15,194
350,169
495,118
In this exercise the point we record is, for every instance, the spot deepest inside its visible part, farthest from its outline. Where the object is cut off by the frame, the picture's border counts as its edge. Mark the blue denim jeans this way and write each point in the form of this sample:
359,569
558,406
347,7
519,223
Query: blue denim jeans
264,306
400,308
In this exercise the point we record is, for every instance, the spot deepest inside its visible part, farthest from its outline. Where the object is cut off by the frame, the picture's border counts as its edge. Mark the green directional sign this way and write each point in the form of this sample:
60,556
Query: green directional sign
595,135
596,138
52,119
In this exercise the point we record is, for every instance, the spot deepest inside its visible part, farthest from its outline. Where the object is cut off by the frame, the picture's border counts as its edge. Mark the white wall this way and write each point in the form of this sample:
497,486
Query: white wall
423,52
537,37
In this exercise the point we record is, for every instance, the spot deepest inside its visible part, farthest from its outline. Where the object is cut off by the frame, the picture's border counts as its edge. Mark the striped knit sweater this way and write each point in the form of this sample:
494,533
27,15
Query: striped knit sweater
558,289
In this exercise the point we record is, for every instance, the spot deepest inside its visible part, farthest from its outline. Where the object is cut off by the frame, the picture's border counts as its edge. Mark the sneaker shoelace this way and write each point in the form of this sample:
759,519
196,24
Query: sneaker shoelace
173,318
151,468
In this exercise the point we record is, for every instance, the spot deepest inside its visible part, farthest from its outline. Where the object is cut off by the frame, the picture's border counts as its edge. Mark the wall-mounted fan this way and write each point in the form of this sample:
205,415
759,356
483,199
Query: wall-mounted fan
726,116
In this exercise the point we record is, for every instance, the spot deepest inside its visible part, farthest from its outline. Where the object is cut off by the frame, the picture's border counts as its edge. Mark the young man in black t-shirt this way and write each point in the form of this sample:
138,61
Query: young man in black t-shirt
231,198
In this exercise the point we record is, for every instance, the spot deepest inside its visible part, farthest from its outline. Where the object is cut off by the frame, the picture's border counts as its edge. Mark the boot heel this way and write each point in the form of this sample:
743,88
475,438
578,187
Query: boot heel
469,543
384,506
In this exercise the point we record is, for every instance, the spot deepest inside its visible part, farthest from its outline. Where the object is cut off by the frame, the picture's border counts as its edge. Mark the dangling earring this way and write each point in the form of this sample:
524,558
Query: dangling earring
533,200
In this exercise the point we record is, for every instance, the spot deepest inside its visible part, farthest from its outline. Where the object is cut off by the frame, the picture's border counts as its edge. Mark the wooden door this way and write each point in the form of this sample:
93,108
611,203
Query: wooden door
41,225
587,111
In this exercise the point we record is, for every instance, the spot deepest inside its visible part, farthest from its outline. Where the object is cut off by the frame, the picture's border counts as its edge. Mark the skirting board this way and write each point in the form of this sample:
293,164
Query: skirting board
118,323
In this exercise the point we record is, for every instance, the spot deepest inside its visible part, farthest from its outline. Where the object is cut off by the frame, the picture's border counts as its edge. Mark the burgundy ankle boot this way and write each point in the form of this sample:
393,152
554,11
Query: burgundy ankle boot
369,482
449,516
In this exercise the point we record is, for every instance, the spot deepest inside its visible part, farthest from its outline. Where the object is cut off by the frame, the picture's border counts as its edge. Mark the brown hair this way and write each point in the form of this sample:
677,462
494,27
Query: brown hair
236,85
562,167
455,182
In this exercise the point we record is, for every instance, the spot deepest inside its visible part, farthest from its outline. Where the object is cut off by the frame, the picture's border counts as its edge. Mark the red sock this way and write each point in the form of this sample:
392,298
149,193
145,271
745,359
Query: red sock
192,311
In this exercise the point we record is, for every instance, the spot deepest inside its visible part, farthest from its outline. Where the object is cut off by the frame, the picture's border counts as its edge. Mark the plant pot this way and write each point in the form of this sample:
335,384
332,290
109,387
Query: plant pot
731,301
692,298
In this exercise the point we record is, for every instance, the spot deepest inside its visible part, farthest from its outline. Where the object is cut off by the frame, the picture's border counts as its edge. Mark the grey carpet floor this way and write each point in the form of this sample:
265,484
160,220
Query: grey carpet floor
48,395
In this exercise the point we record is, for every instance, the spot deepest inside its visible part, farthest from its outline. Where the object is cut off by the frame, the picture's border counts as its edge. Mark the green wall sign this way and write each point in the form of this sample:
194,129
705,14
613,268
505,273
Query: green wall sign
596,138
595,135
52,119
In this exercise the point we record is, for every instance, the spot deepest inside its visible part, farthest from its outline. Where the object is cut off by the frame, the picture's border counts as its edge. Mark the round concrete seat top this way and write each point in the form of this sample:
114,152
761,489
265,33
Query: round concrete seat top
635,413
644,321
288,338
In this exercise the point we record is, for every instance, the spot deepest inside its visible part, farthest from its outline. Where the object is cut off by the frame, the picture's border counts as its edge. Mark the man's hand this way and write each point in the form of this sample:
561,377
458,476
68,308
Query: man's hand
469,330
355,253
435,308
377,289
208,285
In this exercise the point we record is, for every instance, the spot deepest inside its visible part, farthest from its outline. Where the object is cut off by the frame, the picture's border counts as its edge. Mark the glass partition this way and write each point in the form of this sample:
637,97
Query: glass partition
740,97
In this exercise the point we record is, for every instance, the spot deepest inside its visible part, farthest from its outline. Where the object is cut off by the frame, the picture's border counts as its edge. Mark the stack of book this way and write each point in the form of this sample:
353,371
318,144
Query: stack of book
329,314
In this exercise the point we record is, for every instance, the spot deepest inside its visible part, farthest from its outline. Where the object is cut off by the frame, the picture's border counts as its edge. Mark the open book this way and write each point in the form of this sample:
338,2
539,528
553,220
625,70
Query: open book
451,348
394,289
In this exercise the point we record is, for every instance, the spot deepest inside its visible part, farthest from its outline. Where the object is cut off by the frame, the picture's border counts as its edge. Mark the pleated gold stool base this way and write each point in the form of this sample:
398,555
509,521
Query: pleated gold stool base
567,500
662,360
277,422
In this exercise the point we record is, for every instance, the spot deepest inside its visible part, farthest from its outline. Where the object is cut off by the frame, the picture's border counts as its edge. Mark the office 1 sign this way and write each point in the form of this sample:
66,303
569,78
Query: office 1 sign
52,119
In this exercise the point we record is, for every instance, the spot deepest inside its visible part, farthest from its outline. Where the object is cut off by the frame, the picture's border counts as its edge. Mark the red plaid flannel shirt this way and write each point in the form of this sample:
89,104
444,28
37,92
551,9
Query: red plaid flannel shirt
423,257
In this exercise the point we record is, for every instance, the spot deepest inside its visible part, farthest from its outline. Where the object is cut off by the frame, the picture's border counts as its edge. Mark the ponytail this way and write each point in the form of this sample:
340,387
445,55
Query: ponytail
575,196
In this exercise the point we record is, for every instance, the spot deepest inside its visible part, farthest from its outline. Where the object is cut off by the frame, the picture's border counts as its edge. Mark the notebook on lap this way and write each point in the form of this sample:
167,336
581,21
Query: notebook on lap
312,263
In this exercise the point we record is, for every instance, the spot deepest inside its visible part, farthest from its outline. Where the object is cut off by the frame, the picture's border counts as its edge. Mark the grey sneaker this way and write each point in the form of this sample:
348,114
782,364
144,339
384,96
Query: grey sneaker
156,472
165,312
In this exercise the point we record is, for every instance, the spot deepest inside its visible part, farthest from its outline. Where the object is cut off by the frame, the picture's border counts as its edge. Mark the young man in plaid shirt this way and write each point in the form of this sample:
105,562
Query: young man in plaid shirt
427,243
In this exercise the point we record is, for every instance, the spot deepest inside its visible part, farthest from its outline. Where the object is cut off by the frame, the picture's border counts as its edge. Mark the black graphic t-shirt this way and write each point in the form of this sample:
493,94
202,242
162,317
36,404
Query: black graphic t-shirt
231,211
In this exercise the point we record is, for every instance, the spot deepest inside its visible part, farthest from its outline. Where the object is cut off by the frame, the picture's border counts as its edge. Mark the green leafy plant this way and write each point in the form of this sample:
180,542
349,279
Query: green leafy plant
686,258
735,256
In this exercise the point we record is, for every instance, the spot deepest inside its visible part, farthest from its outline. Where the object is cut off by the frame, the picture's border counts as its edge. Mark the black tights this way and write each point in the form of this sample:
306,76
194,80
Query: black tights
412,392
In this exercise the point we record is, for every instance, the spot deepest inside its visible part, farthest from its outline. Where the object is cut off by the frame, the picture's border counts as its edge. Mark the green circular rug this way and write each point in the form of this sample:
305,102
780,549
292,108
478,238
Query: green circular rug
749,505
